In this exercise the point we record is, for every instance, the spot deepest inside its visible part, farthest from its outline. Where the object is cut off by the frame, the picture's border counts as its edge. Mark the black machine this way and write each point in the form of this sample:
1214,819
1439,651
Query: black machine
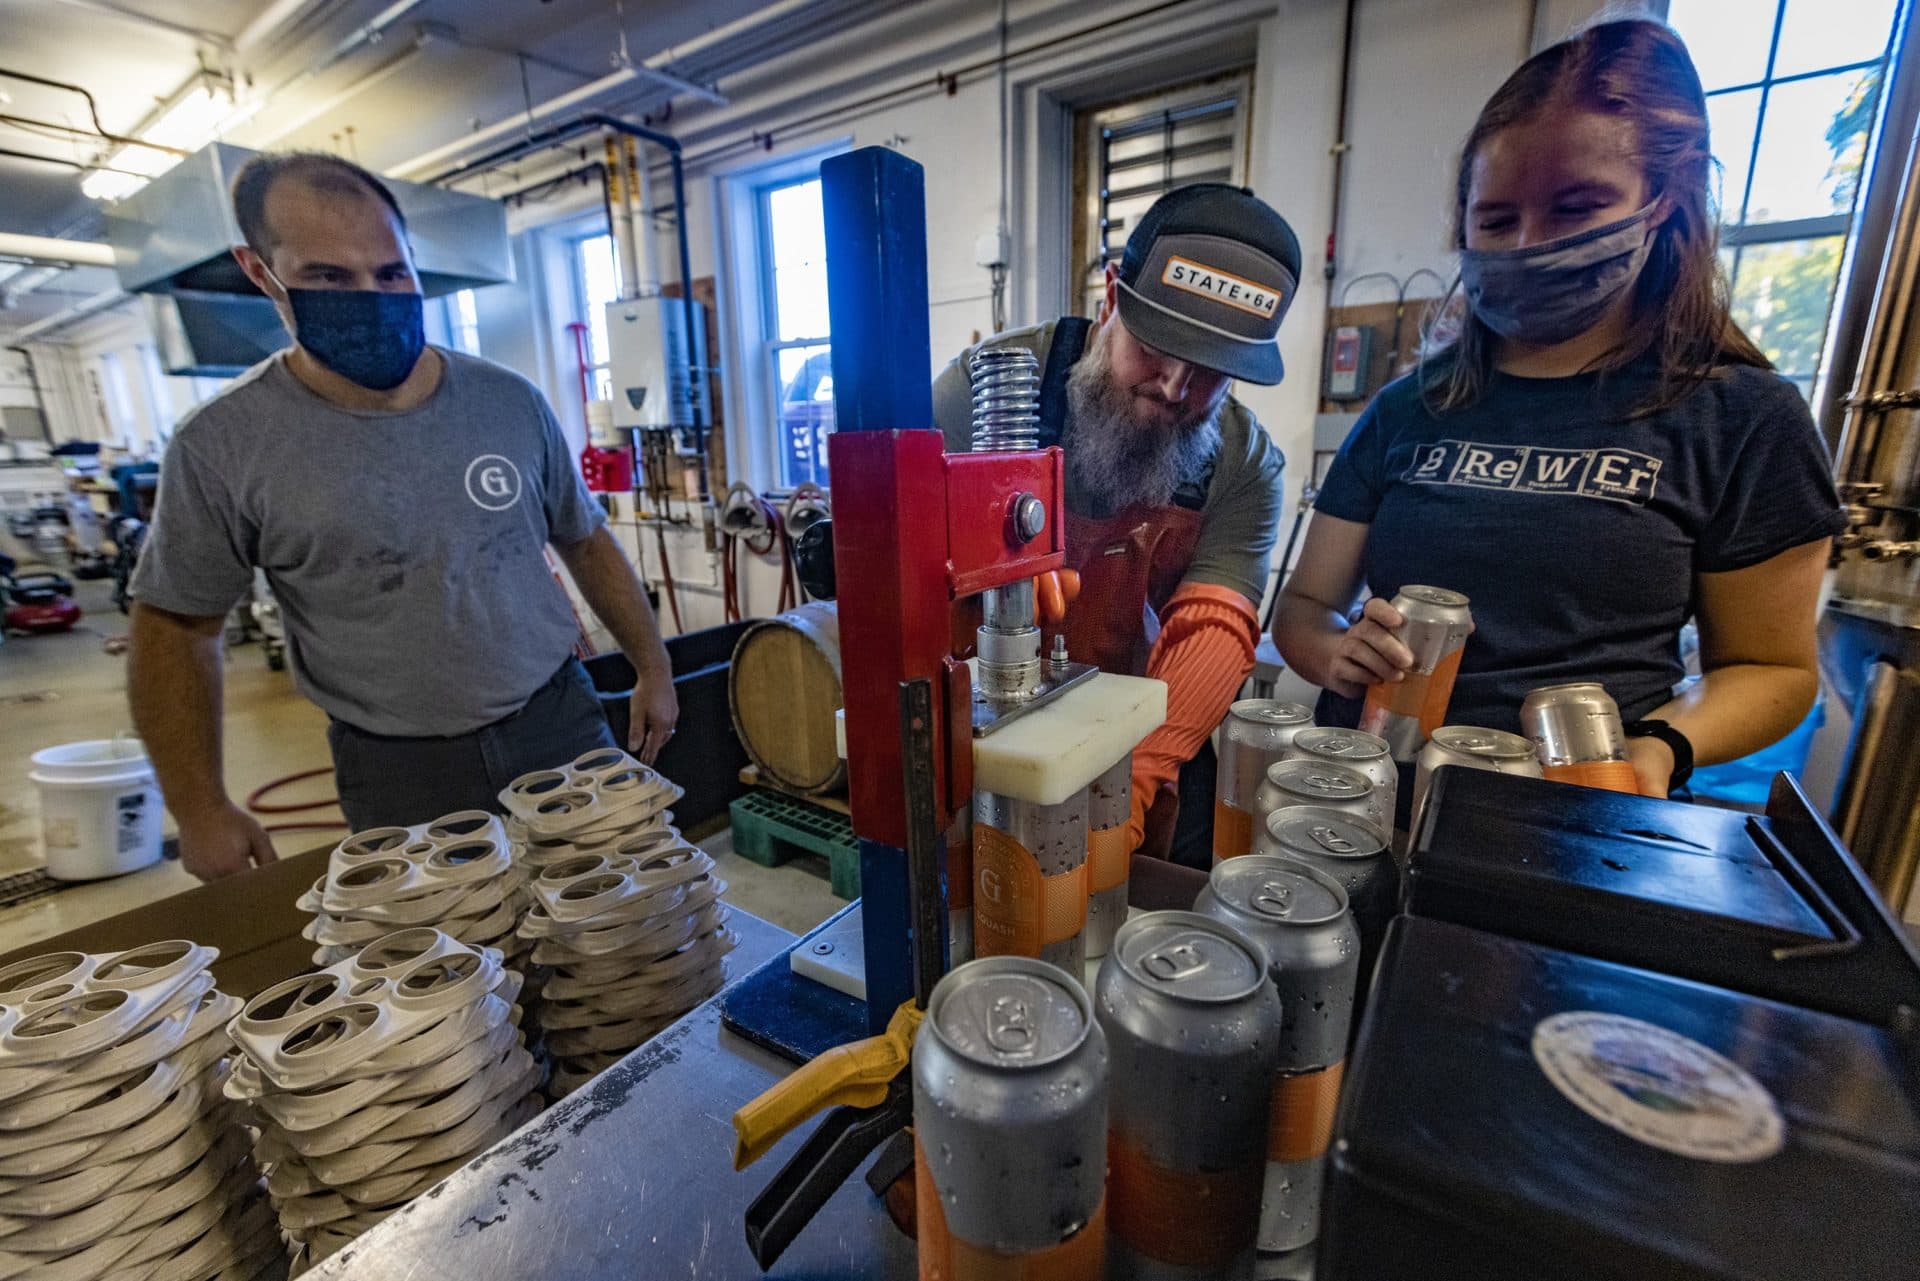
1614,1037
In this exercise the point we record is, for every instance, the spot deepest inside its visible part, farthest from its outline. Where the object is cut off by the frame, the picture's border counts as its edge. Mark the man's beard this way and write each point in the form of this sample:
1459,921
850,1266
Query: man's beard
1125,445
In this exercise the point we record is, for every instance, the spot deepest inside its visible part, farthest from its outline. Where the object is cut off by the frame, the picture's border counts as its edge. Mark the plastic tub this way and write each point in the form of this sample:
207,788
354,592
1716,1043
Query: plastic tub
100,808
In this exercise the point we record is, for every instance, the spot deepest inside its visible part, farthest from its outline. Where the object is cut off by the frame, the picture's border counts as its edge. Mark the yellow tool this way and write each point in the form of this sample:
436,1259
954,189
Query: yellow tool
858,1074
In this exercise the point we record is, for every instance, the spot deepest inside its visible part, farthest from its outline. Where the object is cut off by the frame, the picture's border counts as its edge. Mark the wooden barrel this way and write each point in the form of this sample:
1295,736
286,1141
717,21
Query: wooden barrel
783,691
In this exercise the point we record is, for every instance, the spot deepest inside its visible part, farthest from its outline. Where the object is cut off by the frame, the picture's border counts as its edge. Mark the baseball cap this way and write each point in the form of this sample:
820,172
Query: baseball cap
1207,275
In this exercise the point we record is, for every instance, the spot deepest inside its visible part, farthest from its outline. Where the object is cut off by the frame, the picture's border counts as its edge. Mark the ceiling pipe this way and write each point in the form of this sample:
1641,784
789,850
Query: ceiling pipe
268,22
46,251
107,7
61,319
577,99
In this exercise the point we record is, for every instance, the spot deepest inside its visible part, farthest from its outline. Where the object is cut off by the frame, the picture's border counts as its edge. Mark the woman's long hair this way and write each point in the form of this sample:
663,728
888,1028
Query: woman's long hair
1639,72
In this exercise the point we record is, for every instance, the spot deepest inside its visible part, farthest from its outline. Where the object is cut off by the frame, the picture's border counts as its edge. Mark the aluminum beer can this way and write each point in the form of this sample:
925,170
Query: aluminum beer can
1406,712
1470,747
1009,1122
1193,1027
1109,860
1298,915
1030,879
1313,782
1252,737
1353,852
1578,737
1357,750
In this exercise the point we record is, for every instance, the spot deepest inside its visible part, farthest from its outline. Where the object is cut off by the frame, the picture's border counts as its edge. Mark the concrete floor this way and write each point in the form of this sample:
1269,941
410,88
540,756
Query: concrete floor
65,688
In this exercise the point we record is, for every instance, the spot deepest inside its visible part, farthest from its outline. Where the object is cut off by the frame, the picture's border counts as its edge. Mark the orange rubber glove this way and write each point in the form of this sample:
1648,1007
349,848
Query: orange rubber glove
1205,651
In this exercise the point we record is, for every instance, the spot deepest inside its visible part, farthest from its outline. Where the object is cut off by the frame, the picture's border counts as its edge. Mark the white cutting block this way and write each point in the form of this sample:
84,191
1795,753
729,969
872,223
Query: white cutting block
1052,752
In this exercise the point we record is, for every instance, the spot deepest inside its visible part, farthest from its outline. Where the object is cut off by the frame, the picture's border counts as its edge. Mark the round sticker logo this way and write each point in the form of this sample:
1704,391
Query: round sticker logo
1659,1087
493,482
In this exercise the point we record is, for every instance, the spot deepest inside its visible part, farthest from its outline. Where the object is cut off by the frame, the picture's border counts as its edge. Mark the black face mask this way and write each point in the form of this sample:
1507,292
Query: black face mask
367,336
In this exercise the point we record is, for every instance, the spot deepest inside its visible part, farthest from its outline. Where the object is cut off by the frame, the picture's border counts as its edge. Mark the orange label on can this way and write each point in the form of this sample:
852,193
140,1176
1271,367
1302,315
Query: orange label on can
1608,776
1016,910
1422,696
944,1257
1109,861
1300,1125
1232,831
1189,1218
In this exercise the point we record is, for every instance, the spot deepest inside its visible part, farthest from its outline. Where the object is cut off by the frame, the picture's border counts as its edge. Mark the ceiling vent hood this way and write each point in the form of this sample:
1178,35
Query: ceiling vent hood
177,233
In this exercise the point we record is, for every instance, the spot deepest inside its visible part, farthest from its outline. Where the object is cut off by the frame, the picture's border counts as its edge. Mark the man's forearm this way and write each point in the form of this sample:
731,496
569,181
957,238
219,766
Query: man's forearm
174,689
613,592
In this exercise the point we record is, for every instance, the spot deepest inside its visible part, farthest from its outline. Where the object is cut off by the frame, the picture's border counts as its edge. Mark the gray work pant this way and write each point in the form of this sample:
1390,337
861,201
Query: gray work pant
386,781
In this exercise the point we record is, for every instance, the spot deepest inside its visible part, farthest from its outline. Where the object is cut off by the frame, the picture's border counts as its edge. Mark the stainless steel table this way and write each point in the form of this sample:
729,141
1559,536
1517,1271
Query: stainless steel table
631,1177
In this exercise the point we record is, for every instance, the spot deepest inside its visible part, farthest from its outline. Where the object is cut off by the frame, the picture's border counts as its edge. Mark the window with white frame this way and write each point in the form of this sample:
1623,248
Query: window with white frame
1792,90
463,322
797,342
596,282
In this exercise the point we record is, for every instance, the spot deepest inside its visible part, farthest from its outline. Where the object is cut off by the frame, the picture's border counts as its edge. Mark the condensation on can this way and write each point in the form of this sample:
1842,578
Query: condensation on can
1030,879
1010,1118
1353,852
1109,807
1470,747
1298,915
1316,783
1193,1029
1252,737
1357,750
1575,724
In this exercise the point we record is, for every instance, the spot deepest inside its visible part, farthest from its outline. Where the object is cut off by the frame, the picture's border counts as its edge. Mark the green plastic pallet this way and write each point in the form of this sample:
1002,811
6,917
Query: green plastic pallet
770,828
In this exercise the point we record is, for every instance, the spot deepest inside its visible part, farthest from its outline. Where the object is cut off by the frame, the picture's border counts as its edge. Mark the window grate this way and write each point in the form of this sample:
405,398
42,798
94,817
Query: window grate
1131,153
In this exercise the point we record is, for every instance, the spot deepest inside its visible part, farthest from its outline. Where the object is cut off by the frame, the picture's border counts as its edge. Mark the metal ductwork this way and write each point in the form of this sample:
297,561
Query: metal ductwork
174,239
177,232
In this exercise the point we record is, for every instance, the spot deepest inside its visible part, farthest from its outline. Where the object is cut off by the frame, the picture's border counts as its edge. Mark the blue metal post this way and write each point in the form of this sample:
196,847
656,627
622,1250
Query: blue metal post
874,204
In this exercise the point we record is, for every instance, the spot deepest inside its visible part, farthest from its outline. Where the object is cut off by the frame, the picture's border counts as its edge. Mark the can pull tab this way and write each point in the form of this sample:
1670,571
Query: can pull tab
1331,840
1182,960
1274,898
1010,1026
1330,782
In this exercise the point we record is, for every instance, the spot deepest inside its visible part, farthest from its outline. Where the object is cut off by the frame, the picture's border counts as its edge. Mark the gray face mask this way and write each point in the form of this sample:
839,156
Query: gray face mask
1547,293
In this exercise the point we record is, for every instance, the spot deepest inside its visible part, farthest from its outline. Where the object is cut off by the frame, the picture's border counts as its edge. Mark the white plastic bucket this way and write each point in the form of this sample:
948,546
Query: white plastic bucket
100,808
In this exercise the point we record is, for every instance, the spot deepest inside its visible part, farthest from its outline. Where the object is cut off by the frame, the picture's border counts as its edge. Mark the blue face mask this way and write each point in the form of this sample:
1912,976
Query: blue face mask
1547,293
367,336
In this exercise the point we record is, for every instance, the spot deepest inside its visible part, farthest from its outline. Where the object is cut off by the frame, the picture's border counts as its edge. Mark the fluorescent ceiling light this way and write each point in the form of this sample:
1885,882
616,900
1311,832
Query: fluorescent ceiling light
195,119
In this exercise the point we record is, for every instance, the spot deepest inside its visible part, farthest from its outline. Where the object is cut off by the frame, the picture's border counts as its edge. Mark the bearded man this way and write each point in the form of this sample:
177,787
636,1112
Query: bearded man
1173,487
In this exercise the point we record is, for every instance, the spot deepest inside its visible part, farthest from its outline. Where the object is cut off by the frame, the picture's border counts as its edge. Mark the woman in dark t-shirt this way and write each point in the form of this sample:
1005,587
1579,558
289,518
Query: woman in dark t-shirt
1601,454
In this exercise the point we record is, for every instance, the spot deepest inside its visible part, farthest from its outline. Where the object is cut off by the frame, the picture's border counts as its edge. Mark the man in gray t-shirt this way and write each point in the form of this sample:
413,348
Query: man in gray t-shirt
400,499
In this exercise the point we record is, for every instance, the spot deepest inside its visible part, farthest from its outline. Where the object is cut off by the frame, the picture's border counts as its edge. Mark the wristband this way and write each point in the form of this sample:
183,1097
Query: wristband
1678,743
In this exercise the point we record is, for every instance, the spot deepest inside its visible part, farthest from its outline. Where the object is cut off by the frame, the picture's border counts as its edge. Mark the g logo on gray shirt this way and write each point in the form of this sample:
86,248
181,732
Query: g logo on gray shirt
493,482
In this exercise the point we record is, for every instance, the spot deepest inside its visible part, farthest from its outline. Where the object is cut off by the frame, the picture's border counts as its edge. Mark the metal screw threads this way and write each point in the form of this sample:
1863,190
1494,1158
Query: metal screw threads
1006,399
